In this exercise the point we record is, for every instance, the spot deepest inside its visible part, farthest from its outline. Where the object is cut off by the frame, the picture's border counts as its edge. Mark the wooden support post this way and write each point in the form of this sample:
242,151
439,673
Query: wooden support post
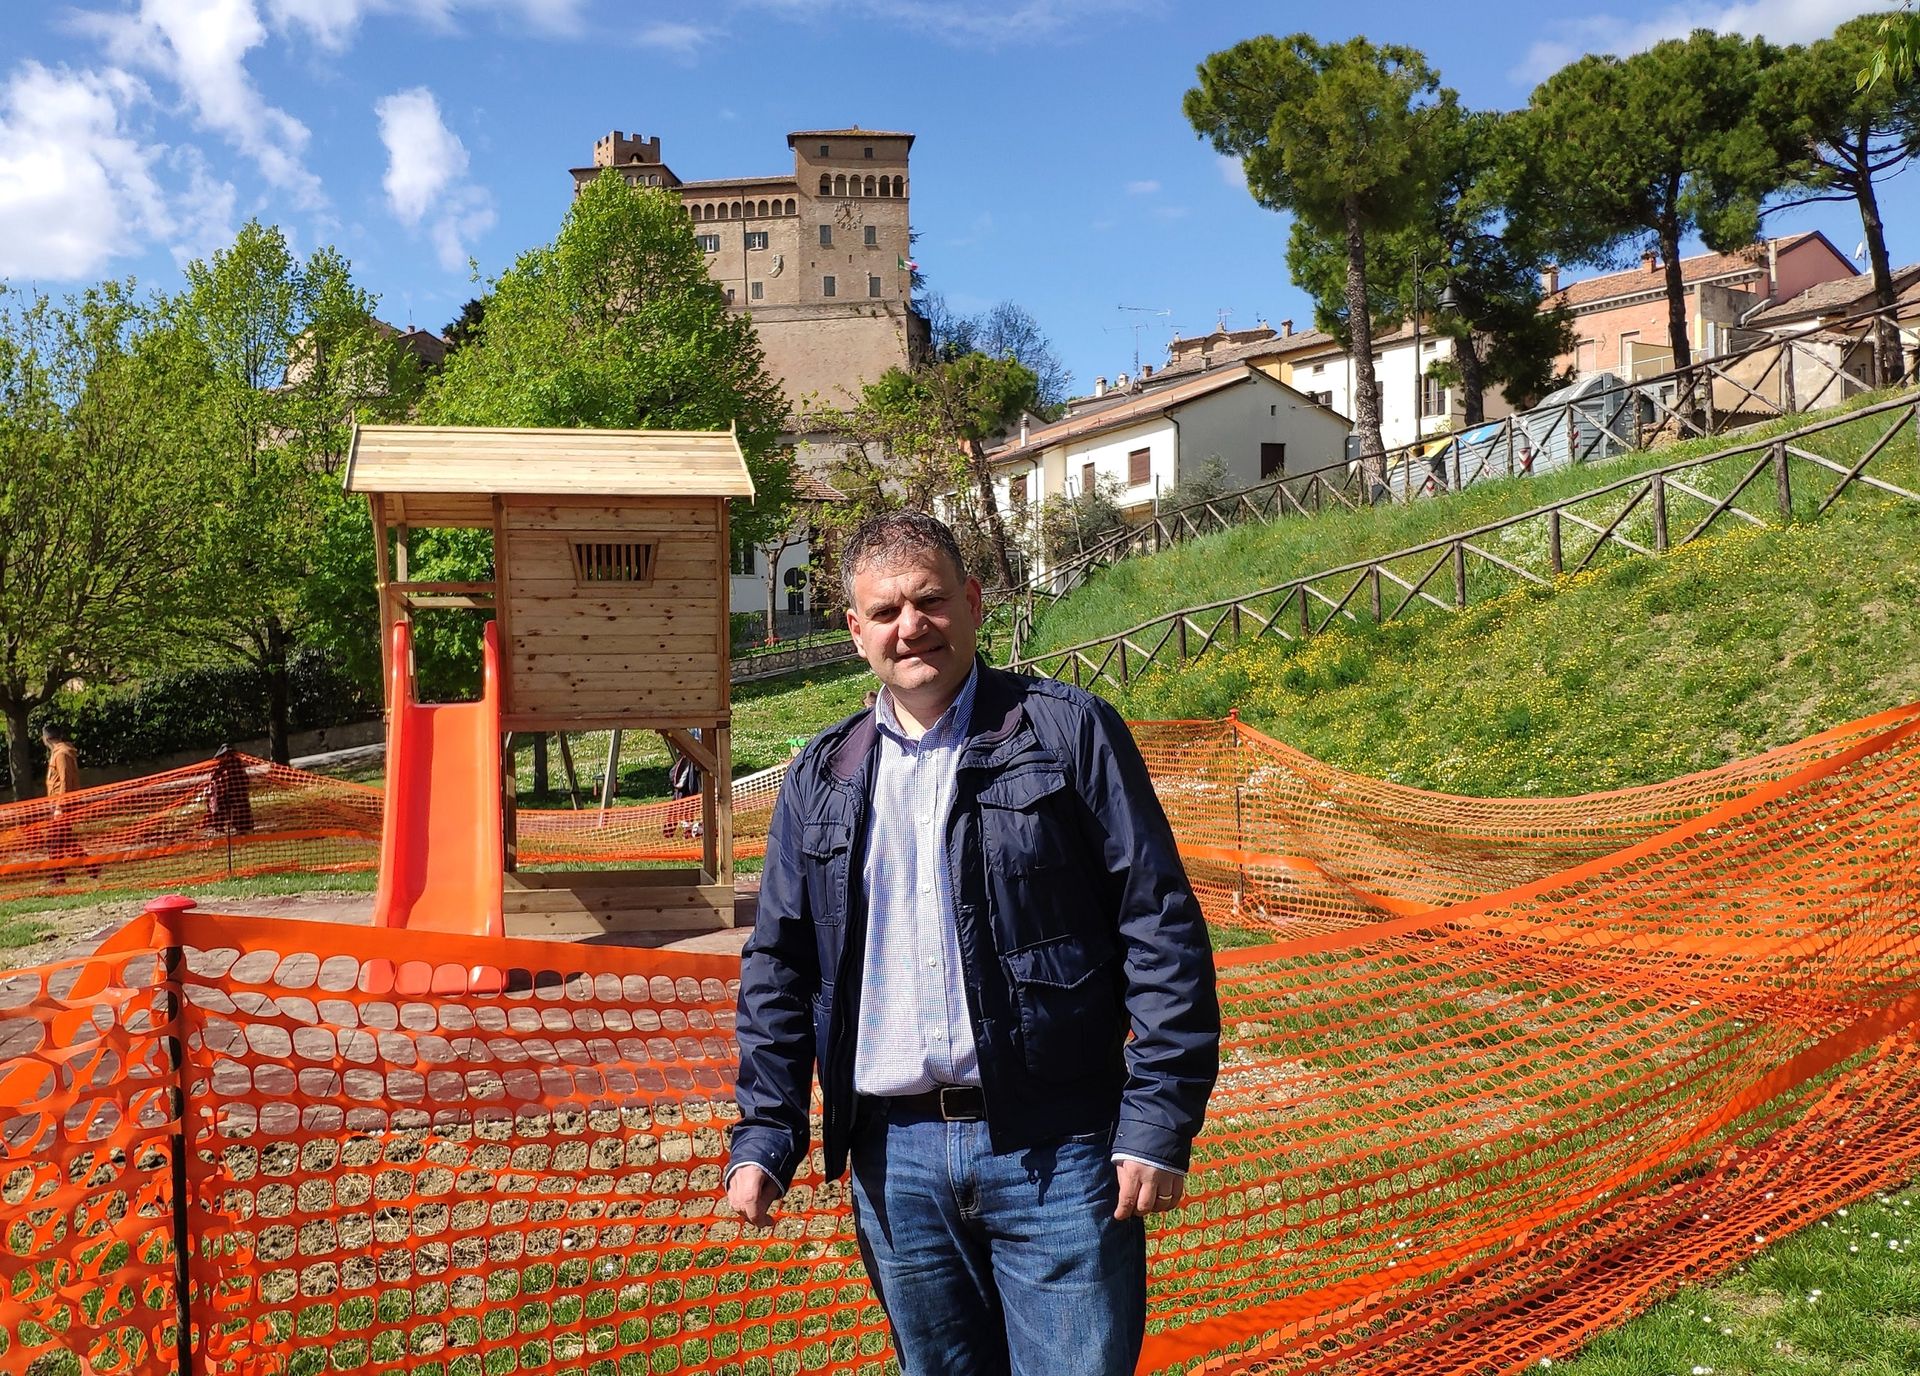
1375,571
573,775
1554,560
1782,480
1788,403
610,780
710,824
1659,514
723,808
540,778
509,805
1460,575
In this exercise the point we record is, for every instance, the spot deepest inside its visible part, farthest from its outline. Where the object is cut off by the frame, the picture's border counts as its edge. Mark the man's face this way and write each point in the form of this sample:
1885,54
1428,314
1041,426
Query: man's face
916,621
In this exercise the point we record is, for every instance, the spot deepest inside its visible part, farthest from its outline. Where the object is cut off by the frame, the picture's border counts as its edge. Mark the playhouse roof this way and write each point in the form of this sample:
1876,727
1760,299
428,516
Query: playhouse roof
576,463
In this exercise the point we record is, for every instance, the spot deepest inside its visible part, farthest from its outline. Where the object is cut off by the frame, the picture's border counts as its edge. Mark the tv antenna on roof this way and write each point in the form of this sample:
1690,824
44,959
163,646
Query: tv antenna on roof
1140,325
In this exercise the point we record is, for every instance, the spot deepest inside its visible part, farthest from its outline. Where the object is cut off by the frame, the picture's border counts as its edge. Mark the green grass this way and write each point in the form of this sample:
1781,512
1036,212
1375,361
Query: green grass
1634,673
1839,1298
1239,561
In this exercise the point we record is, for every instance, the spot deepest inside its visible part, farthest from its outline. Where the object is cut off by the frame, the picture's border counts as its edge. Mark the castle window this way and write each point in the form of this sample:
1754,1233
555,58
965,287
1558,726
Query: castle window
826,236
839,186
723,210
757,290
763,208
826,286
870,186
709,243
873,236
736,210
789,205
873,285
826,185
823,150
899,186
886,186
868,152
756,238
729,296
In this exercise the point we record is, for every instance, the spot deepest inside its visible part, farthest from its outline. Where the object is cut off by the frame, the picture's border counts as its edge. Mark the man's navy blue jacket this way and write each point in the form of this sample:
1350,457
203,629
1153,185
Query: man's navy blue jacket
1076,926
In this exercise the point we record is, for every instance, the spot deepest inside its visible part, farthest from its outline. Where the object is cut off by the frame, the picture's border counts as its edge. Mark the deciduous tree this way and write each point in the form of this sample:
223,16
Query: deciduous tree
291,350
1340,134
99,441
617,325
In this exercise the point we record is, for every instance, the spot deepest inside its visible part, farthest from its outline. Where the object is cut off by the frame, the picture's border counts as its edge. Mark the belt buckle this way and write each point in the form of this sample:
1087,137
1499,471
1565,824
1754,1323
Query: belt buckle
948,1115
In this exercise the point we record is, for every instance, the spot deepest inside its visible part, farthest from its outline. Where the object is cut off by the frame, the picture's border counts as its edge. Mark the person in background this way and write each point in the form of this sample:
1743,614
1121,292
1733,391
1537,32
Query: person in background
229,802
974,921
63,779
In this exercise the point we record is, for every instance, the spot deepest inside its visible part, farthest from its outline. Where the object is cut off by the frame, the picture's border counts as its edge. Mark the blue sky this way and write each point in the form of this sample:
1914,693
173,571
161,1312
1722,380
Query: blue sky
1053,166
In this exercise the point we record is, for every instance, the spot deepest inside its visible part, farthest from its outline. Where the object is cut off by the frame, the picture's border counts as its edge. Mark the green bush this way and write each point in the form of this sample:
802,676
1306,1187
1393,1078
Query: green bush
197,709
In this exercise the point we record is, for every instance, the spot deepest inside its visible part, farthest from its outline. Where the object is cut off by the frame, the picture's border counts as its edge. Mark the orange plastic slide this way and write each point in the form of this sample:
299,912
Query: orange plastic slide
440,841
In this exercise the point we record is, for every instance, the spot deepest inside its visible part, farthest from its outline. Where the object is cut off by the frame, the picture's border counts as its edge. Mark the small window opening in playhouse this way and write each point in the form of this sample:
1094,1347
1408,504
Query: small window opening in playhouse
613,561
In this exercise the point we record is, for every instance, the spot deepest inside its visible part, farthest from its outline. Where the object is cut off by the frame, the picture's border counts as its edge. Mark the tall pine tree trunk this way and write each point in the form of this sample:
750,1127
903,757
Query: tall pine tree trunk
1366,388
1886,344
1688,404
19,748
279,693
1473,379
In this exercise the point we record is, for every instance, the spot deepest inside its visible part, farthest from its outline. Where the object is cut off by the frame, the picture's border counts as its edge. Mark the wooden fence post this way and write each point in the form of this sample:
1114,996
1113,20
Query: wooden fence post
1789,403
1553,542
1460,575
1782,480
1306,614
1375,570
1659,514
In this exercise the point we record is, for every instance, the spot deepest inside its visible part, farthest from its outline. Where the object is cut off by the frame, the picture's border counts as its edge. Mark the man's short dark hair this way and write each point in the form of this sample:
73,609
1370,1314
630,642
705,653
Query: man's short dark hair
891,537
52,731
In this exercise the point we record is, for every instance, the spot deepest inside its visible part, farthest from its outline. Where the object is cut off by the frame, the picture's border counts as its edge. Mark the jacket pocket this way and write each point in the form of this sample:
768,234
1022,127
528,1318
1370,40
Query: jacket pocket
1024,823
825,847
1068,995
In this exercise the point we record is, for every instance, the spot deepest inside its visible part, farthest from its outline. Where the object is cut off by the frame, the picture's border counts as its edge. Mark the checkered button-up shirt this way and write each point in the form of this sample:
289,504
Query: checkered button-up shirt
914,1029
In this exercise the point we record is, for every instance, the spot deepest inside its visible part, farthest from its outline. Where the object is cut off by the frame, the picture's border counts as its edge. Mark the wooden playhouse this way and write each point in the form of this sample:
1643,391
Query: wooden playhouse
609,595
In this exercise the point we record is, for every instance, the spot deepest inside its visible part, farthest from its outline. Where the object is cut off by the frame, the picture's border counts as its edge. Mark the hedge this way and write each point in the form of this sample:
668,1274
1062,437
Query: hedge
198,709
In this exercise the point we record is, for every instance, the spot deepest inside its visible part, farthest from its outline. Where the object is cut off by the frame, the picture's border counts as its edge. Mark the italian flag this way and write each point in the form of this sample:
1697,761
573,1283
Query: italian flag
908,265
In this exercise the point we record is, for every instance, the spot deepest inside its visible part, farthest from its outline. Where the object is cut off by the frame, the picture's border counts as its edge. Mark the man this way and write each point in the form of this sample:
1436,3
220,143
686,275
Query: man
63,778
971,897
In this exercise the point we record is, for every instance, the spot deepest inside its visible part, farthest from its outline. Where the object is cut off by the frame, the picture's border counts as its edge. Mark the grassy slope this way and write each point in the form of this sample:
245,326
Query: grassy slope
1238,561
1629,674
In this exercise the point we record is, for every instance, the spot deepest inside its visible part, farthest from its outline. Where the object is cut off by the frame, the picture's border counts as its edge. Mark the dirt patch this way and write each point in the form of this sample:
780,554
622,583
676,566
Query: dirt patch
78,931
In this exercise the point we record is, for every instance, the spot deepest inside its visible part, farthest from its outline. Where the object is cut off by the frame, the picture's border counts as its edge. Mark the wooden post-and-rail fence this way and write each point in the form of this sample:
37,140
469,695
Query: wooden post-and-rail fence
1774,377
1648,513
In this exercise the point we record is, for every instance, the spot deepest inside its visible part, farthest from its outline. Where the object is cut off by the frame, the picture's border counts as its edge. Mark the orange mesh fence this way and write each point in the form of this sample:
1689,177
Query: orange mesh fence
1506,1070
187,827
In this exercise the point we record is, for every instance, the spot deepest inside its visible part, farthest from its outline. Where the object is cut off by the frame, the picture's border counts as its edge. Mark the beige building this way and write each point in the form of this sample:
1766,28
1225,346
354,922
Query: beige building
818,257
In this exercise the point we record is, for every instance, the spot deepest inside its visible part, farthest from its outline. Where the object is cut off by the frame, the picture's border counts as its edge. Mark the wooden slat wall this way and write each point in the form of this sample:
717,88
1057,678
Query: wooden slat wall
607,652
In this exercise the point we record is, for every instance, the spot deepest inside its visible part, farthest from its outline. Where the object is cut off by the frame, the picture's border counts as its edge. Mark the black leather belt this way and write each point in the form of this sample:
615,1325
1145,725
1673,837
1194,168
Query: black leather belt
947,1103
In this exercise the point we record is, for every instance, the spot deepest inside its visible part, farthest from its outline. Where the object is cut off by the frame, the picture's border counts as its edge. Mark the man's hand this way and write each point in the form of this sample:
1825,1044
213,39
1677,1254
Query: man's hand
1144,1189
751,1192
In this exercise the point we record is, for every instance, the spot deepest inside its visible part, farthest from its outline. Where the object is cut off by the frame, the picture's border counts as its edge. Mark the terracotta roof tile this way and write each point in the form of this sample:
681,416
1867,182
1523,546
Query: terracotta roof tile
1841,296
1699,267
1131,407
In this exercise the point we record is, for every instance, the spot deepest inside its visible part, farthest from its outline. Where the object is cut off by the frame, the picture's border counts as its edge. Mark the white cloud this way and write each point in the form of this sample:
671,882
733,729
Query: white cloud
1142,188
76,187
201,47
1782,21
333,23
680,40
203,214
426,178
985,23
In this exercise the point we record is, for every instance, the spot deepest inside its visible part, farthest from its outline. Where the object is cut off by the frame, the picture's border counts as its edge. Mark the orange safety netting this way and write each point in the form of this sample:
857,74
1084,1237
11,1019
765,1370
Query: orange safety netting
1506,1070
183,828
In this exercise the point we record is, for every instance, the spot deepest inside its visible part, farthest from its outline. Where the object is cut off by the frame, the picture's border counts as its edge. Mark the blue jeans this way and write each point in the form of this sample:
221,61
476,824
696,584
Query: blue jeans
998,1265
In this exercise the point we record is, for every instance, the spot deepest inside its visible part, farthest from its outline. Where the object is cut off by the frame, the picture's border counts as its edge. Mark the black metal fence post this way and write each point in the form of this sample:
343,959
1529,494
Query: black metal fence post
173,968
